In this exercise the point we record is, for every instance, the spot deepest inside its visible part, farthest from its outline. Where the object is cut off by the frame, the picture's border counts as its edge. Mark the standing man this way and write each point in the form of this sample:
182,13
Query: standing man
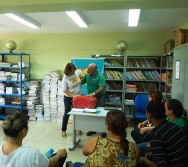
96,88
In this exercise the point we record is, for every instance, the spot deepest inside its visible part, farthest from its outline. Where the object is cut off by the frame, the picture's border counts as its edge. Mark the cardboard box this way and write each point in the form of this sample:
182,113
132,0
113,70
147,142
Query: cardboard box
169,46
180,37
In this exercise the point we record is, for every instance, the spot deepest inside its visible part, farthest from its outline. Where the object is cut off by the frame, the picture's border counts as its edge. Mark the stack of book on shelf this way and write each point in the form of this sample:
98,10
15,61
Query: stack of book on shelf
14,76
114,99
2,100
5,64
10,90
169,77
141,62
170,61
163,77
131,88
111,63
129,101
111,74
2,88
113,86
5,75
129,110
24,64
142,75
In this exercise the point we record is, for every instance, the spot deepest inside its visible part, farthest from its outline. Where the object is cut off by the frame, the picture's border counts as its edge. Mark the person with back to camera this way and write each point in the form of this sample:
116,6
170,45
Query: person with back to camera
144,127
13,154
168,141
96,88
71,85
174,112
115,150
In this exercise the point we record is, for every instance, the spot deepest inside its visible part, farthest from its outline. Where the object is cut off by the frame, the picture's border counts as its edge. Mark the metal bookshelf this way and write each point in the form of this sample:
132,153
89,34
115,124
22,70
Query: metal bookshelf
13,63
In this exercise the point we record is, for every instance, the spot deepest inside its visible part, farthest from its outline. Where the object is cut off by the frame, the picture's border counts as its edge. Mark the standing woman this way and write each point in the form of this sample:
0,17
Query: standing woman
71,87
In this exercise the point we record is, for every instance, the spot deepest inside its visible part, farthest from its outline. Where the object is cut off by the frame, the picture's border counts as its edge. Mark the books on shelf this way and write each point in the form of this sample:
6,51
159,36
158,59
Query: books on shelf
143,75
131,88
169,77
5,64
112,85
142,63
111,74
111,63
163,77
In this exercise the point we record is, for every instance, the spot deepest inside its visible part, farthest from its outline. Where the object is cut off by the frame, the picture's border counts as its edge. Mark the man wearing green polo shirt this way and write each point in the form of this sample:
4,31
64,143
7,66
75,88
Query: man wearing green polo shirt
95,86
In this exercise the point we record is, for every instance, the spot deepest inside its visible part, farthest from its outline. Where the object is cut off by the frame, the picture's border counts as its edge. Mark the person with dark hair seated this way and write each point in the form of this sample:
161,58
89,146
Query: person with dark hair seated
174,112
115,150
13,154
168,142
144,127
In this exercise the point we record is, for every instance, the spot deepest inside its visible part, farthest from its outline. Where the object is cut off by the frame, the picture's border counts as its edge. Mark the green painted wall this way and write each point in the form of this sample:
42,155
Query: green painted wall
54,51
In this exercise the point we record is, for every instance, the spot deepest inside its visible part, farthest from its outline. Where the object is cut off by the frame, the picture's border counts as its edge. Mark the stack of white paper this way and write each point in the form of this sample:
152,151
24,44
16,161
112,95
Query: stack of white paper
2,88
14,76
2,100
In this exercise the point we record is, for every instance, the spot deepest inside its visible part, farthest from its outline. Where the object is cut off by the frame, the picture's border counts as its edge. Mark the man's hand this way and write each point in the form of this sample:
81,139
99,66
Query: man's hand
140,125
91,95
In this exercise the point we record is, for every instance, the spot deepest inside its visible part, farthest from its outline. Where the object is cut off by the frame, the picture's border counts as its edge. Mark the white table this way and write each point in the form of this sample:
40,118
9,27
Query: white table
87,122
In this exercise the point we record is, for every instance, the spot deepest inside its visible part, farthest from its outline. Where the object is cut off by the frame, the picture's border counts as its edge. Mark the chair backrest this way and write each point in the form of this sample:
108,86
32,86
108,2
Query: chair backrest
140,102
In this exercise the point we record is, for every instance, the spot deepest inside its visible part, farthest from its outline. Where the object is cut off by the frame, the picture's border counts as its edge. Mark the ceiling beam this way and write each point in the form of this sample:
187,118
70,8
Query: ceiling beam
32,6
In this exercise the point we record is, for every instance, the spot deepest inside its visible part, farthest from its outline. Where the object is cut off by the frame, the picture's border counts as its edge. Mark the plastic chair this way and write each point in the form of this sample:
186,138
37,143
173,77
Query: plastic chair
140,103
69,164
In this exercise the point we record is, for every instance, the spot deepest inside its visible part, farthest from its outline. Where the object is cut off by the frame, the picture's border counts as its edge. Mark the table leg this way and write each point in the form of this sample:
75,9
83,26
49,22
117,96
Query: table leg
75,140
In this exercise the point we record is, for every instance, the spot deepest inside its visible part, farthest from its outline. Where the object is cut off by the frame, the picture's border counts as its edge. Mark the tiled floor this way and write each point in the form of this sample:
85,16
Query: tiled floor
46,135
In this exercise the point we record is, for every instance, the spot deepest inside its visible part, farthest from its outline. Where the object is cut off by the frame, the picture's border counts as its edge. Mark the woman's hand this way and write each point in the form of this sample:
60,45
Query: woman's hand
62,153
144,162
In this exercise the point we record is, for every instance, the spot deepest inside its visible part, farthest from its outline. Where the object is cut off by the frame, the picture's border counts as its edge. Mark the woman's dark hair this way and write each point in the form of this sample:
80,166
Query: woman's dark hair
156,95
69,67
176,106
156,108
117,124
14,123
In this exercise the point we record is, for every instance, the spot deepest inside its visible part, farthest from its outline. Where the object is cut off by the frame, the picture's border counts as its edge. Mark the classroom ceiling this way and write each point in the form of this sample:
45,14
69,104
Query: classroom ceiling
102,15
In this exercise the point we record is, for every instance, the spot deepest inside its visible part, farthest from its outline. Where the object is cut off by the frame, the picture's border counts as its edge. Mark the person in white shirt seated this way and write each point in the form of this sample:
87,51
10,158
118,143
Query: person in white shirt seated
13,154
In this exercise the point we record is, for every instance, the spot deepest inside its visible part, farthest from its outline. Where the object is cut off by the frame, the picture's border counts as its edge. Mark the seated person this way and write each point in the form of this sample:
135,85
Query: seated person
168,142
115,150
144,127
13,154
174,112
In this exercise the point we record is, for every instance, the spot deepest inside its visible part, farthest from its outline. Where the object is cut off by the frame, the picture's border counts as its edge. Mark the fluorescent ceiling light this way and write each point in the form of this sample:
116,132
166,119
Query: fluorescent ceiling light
133,17
77,19
24,20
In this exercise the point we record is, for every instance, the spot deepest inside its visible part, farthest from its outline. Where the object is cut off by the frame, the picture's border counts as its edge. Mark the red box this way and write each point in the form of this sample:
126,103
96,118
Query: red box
84,102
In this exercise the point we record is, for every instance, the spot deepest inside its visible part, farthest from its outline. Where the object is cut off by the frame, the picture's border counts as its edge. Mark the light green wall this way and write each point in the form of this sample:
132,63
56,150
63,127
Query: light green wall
54,51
